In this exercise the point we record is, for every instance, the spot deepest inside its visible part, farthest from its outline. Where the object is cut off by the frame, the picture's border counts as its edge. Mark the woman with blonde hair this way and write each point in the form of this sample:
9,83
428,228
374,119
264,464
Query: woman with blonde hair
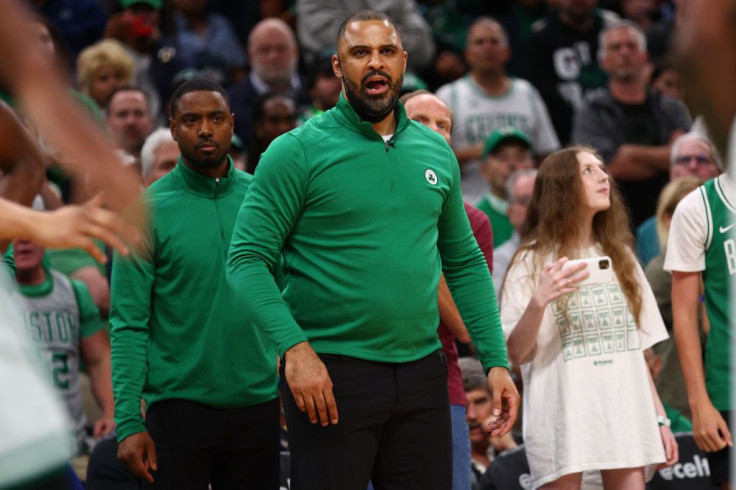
103,67
668,200
589,403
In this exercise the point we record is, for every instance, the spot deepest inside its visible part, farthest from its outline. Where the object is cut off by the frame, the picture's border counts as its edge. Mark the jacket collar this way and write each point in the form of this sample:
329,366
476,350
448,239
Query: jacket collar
346,114
202,185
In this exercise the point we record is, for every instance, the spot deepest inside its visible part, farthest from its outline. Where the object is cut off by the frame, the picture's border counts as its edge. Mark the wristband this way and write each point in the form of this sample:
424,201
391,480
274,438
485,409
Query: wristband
663,420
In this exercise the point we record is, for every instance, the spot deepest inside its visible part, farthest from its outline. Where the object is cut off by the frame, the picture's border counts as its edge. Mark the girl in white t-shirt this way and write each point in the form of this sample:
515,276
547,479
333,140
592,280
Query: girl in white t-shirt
589,401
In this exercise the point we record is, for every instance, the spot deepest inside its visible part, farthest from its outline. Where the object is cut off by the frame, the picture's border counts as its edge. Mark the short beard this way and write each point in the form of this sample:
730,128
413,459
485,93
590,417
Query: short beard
372,109
275,78
204,163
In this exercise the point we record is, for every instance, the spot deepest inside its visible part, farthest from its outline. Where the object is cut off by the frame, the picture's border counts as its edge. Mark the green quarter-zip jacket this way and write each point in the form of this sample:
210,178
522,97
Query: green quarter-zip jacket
177,330
365,227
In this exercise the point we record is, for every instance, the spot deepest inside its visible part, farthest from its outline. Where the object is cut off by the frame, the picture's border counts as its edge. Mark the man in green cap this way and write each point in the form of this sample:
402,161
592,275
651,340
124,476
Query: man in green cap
505,151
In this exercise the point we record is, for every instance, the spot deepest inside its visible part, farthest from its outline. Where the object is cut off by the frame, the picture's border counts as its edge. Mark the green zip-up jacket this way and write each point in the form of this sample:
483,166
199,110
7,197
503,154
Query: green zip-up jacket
177,329
365,228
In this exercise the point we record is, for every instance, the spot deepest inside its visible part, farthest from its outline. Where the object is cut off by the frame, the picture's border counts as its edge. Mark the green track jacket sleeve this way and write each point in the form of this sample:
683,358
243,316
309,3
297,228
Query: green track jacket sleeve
276,197
130,314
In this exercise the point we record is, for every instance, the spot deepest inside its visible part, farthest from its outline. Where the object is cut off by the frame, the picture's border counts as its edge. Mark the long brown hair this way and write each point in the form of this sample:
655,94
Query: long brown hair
556,210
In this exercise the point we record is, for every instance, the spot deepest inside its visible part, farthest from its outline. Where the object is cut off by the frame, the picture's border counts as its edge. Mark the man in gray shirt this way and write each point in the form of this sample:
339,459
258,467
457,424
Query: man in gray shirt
631,126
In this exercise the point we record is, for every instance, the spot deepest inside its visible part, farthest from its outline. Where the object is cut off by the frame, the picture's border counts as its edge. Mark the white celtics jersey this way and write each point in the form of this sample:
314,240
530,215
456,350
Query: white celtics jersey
52,317
34,436
476,114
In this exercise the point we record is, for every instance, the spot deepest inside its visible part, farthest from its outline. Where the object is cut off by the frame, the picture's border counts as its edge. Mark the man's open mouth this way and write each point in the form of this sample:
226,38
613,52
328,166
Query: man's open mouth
376,85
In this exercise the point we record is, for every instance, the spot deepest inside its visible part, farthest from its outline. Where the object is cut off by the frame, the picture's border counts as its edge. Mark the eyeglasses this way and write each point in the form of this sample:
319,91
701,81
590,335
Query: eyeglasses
686,159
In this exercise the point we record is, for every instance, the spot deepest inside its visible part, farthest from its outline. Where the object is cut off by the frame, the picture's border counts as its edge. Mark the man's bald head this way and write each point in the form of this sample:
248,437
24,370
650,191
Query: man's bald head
428,109
363,16
486,22
273,51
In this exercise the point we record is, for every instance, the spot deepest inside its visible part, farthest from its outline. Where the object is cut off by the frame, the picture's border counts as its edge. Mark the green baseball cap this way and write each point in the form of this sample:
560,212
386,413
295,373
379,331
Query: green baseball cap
502,134
156,4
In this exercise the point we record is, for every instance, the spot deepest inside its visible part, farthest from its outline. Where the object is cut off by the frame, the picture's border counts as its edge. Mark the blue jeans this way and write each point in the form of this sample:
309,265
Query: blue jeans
460,449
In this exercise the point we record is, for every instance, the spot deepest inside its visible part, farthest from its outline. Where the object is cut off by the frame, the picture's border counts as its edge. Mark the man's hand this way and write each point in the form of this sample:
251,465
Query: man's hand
504,401
310,384
103,425
709,429
504,443
139,453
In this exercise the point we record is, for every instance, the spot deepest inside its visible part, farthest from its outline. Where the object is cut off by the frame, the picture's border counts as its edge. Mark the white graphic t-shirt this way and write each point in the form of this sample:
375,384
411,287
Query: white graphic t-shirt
587,401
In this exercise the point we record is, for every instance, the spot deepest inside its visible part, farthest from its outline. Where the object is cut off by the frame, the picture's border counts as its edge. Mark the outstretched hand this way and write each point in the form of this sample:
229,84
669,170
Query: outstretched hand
77,225
310,384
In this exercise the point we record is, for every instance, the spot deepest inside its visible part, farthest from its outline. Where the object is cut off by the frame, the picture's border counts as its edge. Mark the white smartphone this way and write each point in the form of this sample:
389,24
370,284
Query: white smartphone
600,270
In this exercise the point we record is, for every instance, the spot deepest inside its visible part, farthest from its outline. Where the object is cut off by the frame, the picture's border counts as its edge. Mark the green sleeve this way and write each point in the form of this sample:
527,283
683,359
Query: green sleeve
468,278
89,315
269,212
130,307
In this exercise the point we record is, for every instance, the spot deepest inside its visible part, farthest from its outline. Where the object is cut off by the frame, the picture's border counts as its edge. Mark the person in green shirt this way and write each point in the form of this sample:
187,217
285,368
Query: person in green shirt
505,151
701,244
62,319
179,337
365,208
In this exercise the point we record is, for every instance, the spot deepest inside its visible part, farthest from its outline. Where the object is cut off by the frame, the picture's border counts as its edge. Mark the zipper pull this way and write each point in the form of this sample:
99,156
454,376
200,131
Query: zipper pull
217,181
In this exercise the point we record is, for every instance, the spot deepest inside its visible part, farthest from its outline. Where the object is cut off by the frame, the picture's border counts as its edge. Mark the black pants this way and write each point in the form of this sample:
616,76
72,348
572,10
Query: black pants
720,461
105,472
231,448
394,428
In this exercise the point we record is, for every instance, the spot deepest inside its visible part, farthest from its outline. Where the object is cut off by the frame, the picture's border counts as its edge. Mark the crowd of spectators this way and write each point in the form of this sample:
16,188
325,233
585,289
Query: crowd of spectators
521,78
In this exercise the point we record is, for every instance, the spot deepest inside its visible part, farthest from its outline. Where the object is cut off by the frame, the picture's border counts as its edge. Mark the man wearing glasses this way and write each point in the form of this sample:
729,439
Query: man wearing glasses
692,155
